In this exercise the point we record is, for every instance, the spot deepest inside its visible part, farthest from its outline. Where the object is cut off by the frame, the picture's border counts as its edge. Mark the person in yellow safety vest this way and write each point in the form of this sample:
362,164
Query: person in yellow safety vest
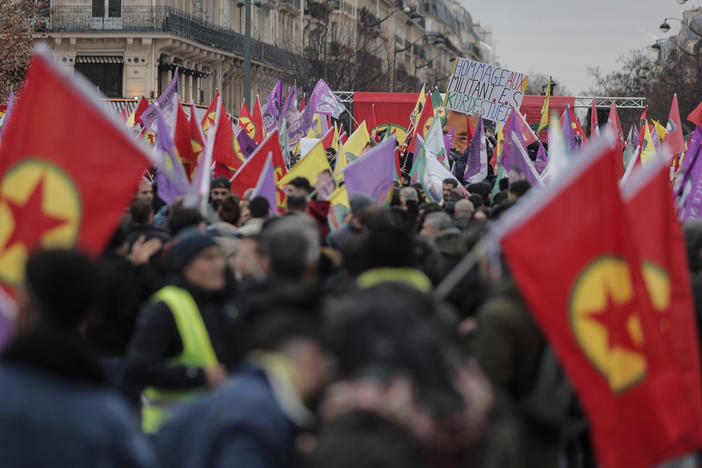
189,336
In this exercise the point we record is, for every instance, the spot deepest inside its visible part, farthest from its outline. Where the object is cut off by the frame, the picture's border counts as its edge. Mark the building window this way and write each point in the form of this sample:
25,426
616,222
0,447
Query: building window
106,76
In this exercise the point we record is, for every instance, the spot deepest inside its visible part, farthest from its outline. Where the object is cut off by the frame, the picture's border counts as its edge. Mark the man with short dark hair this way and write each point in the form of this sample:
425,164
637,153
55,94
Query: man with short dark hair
142,217
518,188
145,191
220,189
299,186
259,210
57,407
331,156
447,186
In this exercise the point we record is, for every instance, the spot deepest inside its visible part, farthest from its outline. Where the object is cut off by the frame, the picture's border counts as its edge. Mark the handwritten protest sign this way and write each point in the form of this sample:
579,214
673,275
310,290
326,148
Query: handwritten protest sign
487,90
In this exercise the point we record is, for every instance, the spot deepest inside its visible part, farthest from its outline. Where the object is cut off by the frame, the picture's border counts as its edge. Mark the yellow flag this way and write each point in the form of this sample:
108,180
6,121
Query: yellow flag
649,150
312,167
358,140
341,161
660,130
543,123
500,142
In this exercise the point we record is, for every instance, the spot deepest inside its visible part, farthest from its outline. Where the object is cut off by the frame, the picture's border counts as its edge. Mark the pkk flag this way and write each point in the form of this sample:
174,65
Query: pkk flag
248,175
374,173
223,150
265,187
166,105
696,115
135,117
274,105
476,164
673,131
197,139
171,179
594,124
245,121
658,235
257,120
589,297
183,141
208,121
54,190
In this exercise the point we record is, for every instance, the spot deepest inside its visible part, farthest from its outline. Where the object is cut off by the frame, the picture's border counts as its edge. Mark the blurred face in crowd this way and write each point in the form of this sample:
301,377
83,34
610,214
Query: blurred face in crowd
312,366
145,191
206,270
428,231
446,191
218,194
290,189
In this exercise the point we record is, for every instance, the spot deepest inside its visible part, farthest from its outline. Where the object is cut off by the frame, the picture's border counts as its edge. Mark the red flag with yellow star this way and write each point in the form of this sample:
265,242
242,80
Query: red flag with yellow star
658,236
59,187
183,140
208,120
570,250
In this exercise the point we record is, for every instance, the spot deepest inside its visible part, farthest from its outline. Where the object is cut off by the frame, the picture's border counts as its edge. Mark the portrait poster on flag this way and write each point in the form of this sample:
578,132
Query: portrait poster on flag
487,90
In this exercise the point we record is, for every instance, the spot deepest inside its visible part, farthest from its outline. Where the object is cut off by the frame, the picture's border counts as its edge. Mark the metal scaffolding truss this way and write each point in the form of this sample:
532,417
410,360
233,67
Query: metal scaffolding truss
581,102
344,96
585,102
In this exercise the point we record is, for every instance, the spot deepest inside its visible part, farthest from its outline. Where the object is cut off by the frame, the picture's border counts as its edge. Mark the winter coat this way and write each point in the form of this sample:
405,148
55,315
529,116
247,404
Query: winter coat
57,409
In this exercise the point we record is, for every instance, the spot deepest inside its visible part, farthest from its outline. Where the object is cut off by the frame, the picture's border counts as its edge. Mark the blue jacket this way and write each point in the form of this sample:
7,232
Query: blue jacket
240,425
49,417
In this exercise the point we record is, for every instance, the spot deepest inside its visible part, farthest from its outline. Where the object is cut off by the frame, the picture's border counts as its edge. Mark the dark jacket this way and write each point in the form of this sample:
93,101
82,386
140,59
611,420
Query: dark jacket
57,410
125,288
241,425
337,239
157,339
508,347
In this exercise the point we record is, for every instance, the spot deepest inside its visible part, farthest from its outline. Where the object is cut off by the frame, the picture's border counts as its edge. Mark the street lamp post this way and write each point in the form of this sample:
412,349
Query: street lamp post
665,27
247,46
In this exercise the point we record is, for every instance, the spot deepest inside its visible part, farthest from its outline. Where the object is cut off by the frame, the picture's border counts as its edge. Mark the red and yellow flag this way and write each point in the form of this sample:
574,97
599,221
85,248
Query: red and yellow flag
60,187
590,299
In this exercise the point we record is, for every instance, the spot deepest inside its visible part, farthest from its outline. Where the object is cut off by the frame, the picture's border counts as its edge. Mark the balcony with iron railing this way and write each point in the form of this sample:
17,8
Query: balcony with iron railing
68,19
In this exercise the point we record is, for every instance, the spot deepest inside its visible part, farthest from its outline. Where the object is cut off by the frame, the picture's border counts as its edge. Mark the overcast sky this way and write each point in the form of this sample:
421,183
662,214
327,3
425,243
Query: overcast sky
562,38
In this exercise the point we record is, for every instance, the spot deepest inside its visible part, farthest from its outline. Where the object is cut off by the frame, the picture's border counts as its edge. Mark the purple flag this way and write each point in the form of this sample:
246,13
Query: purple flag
568,130
448,139
170,175
292,117
166,106
476,163
521,167
508,149
541,159
322,101
691,169
8,110
374,172
634,136
246,143
273,107
265,187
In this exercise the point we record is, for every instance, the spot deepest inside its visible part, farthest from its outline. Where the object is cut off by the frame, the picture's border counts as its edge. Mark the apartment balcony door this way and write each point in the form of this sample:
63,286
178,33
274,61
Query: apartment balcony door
107,14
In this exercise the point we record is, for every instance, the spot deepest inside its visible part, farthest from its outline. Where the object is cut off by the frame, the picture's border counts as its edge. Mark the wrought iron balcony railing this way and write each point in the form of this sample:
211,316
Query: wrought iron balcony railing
170,20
